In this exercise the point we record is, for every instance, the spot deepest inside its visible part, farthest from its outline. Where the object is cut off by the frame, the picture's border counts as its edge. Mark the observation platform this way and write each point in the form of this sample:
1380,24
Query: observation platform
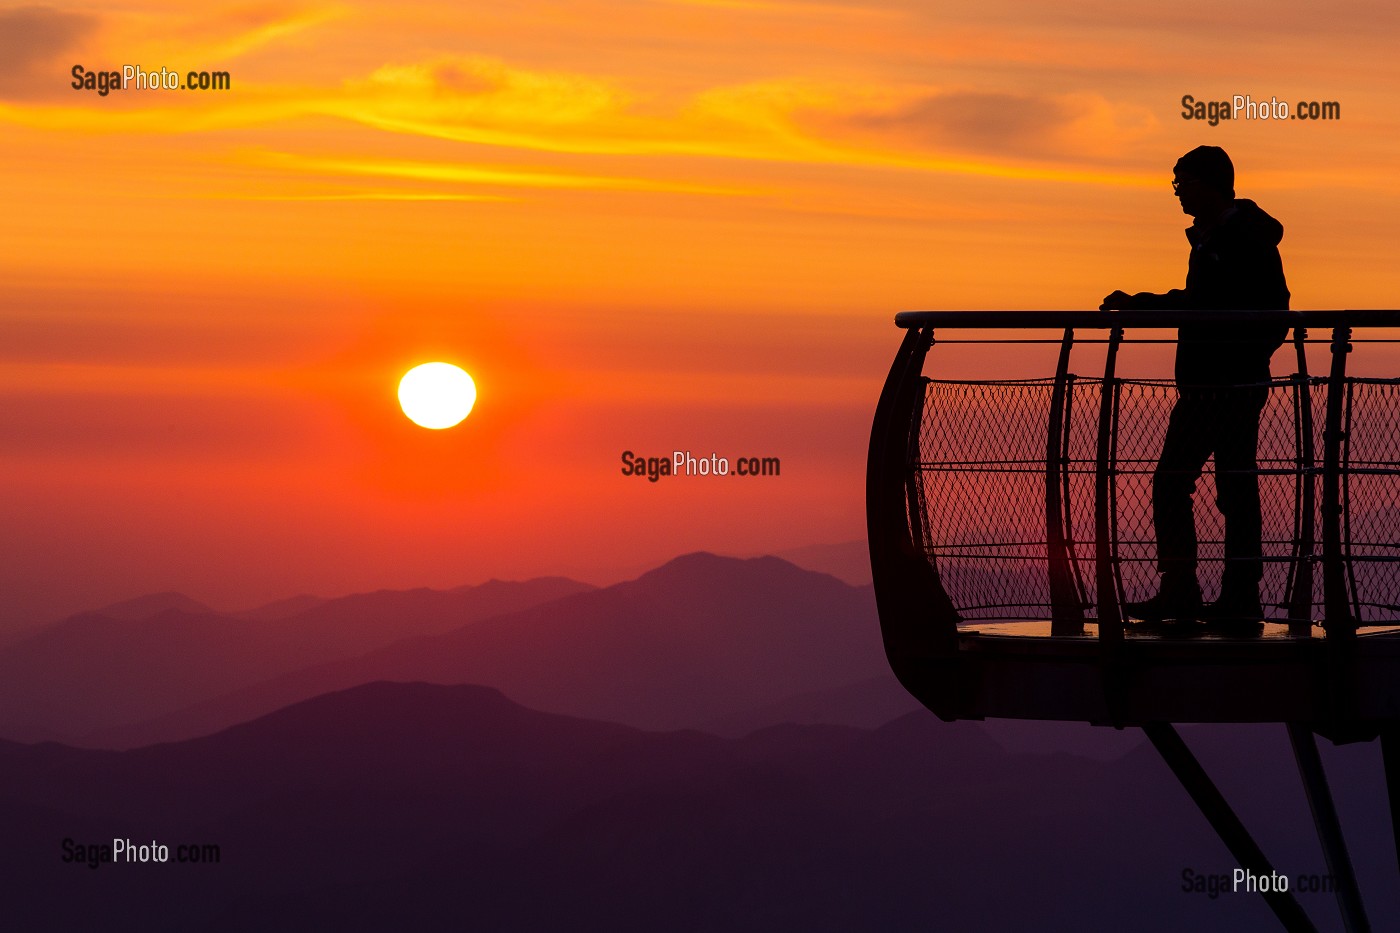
1010,520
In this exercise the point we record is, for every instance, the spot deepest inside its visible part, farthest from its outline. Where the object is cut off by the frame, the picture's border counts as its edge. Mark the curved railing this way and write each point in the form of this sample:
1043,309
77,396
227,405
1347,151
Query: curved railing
1030,499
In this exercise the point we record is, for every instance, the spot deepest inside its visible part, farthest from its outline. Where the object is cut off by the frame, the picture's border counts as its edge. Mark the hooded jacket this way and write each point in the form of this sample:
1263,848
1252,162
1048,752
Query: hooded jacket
1234,266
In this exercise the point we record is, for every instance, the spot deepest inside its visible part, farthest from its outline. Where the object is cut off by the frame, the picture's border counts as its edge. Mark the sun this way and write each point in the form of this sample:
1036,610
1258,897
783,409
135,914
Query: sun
437,395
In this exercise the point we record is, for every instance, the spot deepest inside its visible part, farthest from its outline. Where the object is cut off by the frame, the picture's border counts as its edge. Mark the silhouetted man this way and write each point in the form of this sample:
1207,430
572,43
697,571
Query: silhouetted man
1221,372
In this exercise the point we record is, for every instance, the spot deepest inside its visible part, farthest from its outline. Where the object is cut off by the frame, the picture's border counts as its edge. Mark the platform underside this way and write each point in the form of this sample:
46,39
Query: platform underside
1017,670
1135,631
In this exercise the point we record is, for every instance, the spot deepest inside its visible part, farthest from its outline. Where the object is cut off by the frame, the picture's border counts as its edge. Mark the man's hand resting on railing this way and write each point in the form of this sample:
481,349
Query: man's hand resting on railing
1120,300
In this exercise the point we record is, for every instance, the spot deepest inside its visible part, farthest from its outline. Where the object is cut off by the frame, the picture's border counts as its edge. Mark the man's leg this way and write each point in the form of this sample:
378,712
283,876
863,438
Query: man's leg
1185,450
1237,496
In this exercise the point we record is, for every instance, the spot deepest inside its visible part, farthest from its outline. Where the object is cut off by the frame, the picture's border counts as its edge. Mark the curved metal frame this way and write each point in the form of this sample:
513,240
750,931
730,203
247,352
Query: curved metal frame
917,616
1105,547
1066,612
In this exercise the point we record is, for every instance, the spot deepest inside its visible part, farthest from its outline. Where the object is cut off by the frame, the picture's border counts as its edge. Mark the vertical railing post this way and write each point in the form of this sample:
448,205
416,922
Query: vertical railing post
1300,581
1352,590
1337,617
1066,614
1076,574
1110,617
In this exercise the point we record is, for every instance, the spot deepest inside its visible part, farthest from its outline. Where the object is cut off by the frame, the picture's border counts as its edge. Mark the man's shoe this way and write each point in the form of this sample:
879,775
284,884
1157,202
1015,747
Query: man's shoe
1235,613
1177,602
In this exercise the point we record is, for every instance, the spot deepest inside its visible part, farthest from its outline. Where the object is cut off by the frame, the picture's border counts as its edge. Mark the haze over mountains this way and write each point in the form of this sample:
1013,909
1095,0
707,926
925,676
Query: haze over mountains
341,801
411,806
696,640
699,642
148,656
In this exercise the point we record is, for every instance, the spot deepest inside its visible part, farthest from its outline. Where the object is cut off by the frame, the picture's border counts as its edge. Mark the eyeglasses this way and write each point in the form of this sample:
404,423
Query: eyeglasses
1177,183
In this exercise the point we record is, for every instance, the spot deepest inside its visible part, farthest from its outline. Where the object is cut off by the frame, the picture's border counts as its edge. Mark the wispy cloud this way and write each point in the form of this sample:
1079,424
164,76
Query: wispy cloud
368,196
485,101
1023,125
37,44
790,8
225,35
1041,108
463,174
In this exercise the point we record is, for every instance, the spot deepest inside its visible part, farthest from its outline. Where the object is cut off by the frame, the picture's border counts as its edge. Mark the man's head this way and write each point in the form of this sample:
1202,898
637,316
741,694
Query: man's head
1204,181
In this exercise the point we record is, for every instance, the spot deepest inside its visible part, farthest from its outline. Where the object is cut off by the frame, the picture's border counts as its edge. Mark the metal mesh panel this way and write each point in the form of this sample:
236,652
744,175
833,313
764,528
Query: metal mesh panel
981,482
982,471
1371,497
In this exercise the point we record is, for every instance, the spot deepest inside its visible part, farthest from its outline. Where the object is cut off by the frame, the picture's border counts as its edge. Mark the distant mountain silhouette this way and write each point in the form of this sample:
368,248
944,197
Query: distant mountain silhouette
161,653
848,561
699,638
143,607
280,609
366,620
412,806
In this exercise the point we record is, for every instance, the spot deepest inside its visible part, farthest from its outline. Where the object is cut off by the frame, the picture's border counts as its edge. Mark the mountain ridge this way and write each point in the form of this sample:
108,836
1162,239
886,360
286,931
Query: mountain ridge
700,637
91,671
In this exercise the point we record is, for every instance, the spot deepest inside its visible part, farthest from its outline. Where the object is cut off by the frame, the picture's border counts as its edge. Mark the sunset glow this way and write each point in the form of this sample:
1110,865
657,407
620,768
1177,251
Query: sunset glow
656,225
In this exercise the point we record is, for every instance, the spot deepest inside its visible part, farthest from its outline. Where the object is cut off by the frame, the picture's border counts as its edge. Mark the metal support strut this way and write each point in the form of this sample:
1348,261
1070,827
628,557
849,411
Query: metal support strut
1329,828
1227,825
1390,754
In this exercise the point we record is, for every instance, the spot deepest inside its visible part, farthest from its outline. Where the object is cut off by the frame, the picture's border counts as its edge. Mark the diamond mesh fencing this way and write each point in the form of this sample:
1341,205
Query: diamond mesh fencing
980,490
981,470
1371,498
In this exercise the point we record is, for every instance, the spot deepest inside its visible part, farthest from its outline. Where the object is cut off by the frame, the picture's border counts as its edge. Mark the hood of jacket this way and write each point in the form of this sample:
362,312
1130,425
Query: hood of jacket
1242,220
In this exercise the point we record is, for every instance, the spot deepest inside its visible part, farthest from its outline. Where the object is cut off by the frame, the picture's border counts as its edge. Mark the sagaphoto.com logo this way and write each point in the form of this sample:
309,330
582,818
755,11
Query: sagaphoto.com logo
685,463
134,77
1245,107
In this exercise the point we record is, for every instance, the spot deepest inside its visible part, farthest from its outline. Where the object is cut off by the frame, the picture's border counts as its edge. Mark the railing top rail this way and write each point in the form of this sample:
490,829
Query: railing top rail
1103,320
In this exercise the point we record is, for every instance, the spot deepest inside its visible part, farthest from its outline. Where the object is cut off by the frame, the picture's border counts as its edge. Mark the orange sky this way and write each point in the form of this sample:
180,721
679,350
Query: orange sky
640,224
